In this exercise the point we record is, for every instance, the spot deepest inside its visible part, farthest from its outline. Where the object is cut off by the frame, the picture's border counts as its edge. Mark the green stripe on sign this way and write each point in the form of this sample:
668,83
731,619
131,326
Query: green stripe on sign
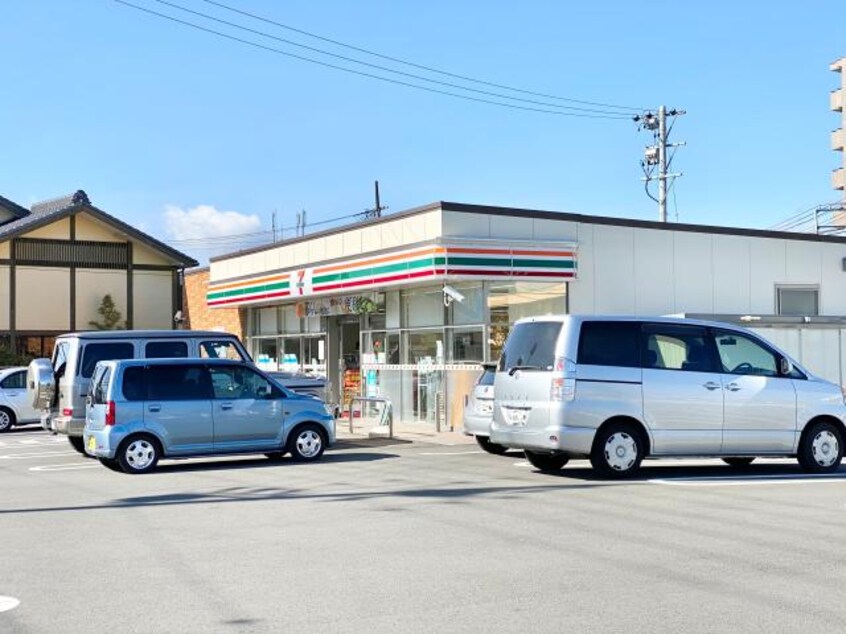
377,270
551,264
248,290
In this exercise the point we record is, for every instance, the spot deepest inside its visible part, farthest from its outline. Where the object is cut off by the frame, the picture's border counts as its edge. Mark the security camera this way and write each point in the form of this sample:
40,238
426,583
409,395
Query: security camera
177,317
450,295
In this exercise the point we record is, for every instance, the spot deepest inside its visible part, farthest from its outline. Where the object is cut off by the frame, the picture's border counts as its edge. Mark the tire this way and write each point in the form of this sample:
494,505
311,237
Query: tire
138,454
111,463
547,462
276,456
307,442
78,443
7,419
491,447
618,450
821,448
738,462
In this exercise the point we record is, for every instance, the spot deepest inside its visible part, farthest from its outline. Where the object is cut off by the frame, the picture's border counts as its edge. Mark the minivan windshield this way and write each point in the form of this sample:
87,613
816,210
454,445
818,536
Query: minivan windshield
531,346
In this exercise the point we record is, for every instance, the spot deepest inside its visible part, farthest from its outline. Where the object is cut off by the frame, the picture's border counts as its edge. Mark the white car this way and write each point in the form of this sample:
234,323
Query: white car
15,407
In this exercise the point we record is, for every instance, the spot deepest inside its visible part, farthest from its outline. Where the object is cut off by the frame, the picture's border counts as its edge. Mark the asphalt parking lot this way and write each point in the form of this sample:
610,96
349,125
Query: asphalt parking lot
389,536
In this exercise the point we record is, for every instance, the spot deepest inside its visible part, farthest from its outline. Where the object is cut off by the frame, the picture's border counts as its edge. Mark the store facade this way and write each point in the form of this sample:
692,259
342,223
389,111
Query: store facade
406,306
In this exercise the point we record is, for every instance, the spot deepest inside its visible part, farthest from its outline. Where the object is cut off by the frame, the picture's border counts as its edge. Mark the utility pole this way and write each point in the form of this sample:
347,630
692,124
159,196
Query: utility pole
658,157
376,212
273,225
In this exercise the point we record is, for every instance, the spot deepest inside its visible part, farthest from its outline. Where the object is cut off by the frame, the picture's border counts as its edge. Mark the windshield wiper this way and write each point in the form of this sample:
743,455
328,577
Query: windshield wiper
515,368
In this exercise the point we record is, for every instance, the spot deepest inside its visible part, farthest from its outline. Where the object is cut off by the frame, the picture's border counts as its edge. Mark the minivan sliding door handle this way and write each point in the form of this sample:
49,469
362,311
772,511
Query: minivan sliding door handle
732,387
154,408
226,406
711,385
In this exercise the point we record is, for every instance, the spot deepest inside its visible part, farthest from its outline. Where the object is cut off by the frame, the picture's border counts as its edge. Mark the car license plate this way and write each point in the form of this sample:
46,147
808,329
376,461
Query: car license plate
518,417
92,444
484,408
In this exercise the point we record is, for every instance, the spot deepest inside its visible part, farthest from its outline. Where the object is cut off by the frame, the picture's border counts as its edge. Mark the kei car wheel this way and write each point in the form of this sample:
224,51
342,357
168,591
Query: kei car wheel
78,443
739,462
491,447
7,419
547,461
307,443
138,454
617,451
821,448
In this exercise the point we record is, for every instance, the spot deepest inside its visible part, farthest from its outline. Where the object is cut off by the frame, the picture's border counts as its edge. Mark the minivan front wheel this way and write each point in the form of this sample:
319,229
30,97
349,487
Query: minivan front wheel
821,448
547,461
138,454
617,451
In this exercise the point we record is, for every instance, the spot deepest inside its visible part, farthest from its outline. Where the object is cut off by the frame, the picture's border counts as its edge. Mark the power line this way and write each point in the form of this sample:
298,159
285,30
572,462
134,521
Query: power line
370,75
377,66
413,65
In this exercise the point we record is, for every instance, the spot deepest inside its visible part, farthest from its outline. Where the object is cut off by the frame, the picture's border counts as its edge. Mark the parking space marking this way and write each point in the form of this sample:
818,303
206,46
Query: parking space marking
8,603
30,442
746,480
68,466
449,453
40,454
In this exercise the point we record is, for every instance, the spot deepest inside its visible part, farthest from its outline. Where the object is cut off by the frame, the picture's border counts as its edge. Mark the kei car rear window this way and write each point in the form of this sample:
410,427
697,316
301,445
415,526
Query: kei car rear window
531,346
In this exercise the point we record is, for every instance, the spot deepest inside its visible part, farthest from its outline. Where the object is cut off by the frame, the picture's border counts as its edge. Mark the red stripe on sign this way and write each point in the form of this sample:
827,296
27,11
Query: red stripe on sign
378,280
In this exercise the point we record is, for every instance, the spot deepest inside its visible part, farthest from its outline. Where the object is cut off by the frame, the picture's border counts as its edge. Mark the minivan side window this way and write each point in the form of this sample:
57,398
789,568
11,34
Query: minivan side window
220,350
95,352
166,350
615,343
672,347
531,346
178,383
239,382
742,355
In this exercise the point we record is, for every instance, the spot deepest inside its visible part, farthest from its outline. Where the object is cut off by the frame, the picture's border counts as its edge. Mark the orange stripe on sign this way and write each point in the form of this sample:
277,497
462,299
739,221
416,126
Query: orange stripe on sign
509,252
258,280
380,260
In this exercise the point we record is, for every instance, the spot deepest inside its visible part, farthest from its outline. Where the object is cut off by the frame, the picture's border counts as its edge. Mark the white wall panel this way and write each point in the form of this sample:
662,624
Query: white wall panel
654,292
732,268
693,272
457,224
803,262
91,286
833,280
767,264
4,297
42,298
581,295
153,303
614,281
546,229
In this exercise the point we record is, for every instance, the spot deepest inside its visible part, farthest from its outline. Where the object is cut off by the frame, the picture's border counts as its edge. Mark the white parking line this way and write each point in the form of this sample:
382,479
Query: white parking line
70,466
30,442
448,453
764,480
8,603
42,454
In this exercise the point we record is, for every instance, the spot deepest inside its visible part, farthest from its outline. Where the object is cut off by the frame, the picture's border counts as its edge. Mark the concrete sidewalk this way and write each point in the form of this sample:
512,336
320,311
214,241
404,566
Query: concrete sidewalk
403,432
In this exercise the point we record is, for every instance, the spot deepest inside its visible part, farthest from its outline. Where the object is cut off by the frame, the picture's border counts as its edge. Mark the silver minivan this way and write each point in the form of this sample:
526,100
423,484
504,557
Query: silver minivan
617,390
142,410
478,410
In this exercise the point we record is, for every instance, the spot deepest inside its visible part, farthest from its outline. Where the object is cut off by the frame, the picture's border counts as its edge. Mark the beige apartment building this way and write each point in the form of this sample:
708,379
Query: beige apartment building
61,257
838,137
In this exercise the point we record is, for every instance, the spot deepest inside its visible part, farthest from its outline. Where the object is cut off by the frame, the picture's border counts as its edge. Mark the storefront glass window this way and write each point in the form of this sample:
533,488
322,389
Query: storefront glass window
468,344
472,309
266,318
314,356
268,354
423,307
425,346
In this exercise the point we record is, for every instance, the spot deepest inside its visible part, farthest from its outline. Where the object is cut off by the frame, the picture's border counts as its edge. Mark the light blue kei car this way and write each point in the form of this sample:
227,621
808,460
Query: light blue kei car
141,410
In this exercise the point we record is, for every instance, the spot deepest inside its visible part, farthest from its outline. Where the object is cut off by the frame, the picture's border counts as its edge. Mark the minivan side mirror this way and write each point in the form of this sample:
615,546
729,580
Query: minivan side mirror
785,367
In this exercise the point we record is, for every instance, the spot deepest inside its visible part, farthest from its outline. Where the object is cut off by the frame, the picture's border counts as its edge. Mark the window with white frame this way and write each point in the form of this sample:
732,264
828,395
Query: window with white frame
797,300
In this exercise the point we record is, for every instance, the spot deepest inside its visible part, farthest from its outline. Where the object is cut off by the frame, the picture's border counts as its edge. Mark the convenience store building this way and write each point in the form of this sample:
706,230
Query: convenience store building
405,306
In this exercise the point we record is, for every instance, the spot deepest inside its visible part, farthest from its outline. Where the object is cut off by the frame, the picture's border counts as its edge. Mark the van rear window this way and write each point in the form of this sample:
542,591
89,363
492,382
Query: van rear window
613,343
531,345
95,352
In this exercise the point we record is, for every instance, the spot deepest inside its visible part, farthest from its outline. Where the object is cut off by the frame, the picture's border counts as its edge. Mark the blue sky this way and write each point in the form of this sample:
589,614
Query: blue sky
149,116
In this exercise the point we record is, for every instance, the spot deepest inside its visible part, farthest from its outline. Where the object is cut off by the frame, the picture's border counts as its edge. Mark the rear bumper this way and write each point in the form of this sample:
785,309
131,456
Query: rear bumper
100,443
477,424
67,425
571,440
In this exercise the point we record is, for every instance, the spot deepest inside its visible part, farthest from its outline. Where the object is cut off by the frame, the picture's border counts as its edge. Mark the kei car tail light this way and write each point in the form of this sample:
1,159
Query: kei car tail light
110,413
67,411
563,380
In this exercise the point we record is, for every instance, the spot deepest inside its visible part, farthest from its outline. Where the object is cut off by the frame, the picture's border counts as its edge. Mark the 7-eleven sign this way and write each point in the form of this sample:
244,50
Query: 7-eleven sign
300,282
